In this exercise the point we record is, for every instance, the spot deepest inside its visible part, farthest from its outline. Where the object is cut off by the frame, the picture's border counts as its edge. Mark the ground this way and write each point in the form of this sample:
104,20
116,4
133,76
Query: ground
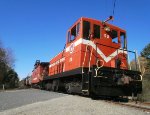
38,102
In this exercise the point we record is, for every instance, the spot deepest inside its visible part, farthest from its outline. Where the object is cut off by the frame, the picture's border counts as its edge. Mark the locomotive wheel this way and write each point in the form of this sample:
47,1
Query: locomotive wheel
68,88
93,95
55,85
49,86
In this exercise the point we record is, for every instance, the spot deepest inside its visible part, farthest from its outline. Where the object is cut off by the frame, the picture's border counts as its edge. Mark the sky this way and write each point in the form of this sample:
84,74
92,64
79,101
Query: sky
36,29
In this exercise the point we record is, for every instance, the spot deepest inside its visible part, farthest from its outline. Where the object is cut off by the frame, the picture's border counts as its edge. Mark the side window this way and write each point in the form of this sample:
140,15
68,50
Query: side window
123,40
96,31
77,29
69,36
86,29
114,36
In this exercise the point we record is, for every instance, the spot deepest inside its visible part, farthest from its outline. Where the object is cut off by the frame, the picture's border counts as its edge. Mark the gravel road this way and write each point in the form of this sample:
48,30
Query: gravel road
17,98
52,103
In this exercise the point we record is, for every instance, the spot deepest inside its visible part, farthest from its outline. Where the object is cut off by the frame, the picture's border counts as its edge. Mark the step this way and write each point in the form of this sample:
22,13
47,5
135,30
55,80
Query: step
85,90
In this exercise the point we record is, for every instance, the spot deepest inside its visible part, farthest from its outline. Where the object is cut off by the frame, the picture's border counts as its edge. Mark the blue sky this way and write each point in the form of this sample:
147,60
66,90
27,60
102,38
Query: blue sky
36,29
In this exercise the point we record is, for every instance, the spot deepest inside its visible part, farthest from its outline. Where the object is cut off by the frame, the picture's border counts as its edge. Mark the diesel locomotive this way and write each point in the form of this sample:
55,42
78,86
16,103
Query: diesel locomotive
95,61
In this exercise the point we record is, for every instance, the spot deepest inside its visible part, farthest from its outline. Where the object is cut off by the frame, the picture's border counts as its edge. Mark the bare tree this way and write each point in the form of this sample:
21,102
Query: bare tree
10,57
7,61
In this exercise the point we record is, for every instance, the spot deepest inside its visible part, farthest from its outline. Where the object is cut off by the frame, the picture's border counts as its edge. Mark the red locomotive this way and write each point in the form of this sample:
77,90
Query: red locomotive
94,62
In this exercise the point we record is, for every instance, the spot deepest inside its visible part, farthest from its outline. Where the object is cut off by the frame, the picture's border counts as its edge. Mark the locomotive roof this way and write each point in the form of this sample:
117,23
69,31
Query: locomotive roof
44,63
40,63
95,20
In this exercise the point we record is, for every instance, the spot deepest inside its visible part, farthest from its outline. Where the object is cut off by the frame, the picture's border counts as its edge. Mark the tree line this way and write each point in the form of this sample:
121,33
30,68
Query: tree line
144,64
145,70
8,76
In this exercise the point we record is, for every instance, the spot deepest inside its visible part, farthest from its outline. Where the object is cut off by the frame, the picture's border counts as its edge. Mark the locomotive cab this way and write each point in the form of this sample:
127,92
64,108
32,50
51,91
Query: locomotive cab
109,40
90,29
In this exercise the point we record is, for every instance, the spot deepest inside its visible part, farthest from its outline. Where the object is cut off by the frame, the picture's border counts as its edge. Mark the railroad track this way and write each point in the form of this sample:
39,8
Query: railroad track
143,107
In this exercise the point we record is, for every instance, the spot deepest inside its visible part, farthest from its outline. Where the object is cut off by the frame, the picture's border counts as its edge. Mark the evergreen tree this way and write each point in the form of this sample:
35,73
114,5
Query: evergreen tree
3,64
11,78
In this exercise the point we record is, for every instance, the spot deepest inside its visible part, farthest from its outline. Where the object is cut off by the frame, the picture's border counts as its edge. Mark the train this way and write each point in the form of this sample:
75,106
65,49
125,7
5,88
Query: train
94,62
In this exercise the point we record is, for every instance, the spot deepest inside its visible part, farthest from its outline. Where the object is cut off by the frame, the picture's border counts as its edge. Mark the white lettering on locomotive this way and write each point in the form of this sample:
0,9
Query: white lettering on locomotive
57,62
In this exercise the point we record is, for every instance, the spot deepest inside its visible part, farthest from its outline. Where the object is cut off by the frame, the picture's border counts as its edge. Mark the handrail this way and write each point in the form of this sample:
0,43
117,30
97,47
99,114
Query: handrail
84,57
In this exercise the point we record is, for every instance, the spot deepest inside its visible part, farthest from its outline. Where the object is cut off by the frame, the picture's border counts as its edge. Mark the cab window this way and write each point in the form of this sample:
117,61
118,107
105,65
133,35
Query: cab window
96,31
86,29
123,40
73,32
69,36
114,36
78,29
